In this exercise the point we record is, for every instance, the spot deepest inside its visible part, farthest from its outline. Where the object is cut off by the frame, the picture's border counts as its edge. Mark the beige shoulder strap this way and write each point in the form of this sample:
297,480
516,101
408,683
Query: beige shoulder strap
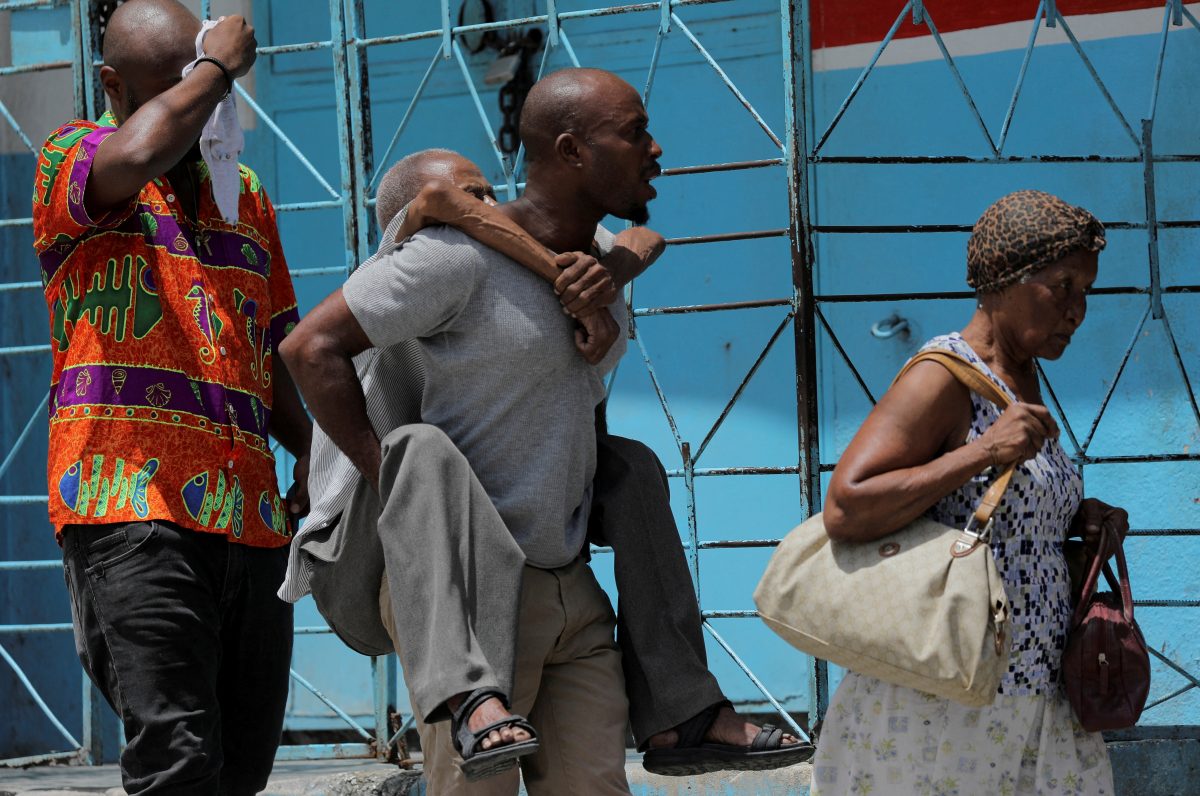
961,368
974,380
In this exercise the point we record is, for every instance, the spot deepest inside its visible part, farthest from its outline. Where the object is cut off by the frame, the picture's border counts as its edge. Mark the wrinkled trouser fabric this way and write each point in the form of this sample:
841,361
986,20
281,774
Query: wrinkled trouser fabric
454,571
184,636
568,684
658,618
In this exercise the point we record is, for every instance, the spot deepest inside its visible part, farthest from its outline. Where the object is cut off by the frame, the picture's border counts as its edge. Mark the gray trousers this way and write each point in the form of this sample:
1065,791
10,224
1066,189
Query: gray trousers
453,571
454,574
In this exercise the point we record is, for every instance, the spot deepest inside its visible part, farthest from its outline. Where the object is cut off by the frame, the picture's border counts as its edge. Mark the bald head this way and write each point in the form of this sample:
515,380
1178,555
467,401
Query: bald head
567,101
403,181
588,145
144,37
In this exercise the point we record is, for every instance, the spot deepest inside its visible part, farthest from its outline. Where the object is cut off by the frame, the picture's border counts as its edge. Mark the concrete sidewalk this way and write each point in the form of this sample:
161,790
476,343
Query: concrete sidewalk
1143,765
290,778
358,778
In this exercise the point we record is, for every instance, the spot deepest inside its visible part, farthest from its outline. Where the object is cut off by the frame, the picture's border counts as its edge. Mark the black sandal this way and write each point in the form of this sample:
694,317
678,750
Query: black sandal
478,763
693,755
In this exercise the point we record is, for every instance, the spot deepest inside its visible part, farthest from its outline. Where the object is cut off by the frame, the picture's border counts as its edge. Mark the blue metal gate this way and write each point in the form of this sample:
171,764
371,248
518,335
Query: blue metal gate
809,219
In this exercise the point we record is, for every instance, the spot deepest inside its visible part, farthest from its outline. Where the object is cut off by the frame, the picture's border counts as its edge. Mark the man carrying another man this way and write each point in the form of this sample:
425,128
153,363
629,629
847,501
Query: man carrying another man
484,326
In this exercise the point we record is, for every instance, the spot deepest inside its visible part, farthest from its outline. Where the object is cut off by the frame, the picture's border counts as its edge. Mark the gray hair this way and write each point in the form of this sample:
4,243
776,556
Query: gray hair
402,182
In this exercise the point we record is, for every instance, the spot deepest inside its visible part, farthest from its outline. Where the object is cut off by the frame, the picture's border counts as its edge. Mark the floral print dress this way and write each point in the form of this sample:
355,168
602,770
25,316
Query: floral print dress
885,739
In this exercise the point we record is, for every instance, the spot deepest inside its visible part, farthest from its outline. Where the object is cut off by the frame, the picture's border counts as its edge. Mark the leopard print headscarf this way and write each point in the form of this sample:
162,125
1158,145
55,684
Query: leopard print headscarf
1023,233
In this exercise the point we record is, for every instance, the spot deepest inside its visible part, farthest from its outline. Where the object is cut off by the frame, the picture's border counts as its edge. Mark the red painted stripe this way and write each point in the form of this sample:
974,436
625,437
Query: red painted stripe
838,22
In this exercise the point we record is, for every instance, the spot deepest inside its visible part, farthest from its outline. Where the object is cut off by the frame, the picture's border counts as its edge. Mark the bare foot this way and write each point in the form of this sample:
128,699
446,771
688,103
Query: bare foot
727,728
489,712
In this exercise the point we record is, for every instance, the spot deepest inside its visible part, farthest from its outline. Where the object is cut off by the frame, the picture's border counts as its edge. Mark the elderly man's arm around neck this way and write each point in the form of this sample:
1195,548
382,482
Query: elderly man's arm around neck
585,287
442,202
634,250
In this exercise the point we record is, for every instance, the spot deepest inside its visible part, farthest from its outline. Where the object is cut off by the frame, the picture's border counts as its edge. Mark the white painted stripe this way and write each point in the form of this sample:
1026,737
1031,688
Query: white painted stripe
996,38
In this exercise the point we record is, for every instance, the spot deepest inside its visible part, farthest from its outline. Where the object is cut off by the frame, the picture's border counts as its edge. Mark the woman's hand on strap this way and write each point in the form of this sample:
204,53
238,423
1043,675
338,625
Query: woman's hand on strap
1018,435
1094,517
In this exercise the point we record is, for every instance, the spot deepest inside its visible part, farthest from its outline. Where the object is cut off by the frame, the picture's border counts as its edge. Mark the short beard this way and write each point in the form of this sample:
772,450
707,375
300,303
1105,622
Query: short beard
638,214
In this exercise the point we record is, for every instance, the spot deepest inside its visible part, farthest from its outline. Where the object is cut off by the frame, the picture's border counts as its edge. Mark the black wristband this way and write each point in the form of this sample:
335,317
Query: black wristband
224,70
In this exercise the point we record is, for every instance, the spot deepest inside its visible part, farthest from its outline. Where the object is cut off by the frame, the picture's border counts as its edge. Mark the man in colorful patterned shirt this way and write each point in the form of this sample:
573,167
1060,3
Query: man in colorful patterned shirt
164,321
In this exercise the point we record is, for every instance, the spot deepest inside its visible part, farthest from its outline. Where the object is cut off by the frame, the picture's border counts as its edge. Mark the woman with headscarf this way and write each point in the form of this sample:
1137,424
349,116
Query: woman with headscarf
931,447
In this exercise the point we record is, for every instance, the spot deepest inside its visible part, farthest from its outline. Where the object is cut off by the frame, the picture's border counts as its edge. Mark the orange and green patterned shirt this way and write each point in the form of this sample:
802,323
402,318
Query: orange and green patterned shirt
162,333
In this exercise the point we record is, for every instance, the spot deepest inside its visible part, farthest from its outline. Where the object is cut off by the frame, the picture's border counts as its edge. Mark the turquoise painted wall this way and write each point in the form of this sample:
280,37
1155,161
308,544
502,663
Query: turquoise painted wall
917,109
701,359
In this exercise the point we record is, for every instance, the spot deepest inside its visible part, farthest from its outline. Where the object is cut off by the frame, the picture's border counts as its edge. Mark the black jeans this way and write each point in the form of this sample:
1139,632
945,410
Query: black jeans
184,635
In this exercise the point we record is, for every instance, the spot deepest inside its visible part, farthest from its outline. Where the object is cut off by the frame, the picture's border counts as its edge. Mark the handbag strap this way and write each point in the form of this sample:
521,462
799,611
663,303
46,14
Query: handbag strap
974,380
962,369
1120,587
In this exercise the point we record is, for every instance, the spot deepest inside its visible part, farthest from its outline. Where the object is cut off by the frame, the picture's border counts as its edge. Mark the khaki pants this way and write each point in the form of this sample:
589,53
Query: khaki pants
568,684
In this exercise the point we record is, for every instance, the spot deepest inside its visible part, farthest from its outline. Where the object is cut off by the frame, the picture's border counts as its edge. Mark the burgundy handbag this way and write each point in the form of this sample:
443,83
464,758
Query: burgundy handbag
1106,666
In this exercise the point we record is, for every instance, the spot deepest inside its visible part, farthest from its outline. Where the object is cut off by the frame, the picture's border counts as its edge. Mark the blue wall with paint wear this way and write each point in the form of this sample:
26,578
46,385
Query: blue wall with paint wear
701,359
912,109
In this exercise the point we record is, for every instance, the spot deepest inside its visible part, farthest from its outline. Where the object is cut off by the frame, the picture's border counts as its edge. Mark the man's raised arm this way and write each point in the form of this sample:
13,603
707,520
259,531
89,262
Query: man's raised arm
158,134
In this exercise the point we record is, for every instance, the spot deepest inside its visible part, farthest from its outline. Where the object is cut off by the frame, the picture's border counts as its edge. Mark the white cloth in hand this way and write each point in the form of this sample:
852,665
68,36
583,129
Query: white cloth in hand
221,143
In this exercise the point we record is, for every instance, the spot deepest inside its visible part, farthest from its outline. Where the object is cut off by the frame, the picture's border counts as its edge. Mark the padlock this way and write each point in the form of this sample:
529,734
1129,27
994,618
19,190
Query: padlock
503,69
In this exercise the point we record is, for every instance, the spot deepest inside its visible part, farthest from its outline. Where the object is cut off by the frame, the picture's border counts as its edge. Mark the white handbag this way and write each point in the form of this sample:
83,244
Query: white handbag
923,607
